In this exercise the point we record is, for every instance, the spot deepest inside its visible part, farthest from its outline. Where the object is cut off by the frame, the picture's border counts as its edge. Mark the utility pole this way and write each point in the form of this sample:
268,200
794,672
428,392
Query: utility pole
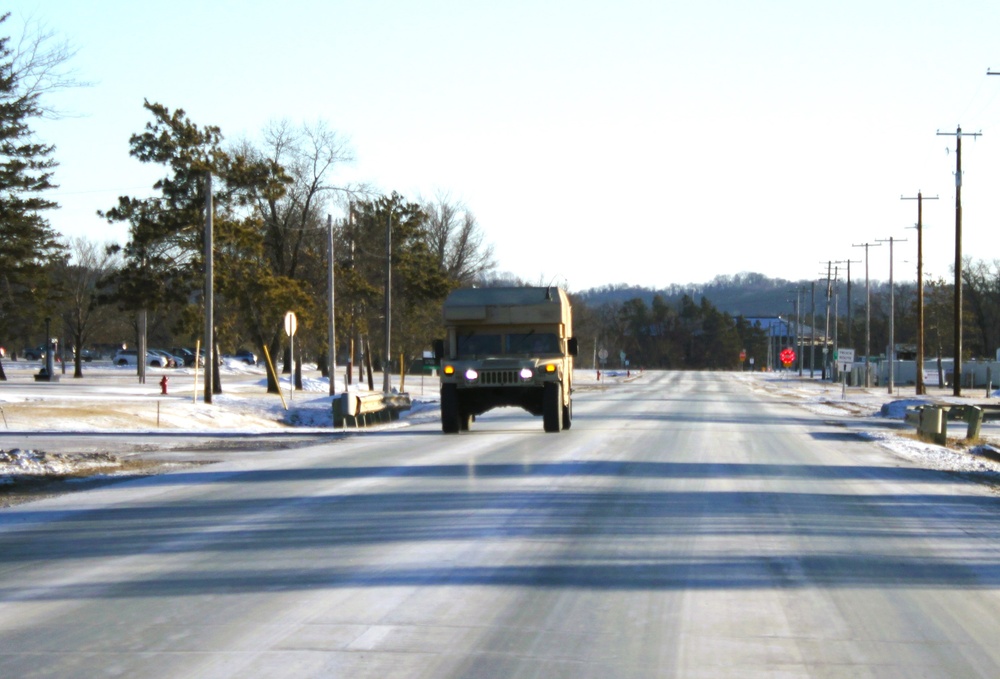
850,304
209,294
388,298
868,313
332,338
826,334
836,307
957,379
799,335
798,328
812,330
892,318
921,388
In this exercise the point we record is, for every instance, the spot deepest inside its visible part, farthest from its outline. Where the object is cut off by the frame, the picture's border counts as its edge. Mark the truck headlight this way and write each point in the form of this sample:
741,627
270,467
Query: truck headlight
471,375
526,374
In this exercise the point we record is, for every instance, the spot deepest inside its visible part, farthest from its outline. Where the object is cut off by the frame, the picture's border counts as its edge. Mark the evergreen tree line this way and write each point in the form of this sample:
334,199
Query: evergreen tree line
678,328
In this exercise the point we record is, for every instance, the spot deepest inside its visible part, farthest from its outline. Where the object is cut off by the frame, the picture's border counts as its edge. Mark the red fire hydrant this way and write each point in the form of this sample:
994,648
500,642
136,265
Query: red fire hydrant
163,385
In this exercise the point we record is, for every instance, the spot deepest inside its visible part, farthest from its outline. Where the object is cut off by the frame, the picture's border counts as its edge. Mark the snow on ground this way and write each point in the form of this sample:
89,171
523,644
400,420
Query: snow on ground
110,399
876,406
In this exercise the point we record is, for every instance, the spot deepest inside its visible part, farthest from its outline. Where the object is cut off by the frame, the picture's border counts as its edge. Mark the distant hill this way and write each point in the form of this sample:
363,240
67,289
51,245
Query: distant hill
746,294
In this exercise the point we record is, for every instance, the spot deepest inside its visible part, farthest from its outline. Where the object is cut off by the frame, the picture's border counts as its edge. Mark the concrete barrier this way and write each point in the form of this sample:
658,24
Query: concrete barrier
932,421
352,409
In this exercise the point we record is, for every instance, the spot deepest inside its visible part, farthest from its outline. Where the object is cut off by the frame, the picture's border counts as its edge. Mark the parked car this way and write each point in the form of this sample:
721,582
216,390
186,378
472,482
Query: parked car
163,359
125,357
179,361
33,354
187,355
246,356
86,355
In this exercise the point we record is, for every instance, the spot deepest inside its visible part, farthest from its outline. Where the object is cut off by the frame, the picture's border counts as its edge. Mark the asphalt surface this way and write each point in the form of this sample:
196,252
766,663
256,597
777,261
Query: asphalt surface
683,527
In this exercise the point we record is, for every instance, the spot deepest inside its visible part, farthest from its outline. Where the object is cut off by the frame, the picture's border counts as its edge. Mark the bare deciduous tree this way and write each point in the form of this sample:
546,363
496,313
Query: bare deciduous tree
457,241
90,263
39,65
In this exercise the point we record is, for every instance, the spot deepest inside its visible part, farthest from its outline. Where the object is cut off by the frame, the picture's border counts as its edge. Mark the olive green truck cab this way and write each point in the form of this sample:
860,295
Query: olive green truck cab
507,347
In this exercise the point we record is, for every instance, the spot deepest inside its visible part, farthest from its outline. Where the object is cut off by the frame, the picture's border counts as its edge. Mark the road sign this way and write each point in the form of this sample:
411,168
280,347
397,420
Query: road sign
787,356
291,324
743,355
844,359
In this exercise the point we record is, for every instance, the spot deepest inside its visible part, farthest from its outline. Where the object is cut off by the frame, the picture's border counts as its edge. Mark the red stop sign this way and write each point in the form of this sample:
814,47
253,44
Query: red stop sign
787,356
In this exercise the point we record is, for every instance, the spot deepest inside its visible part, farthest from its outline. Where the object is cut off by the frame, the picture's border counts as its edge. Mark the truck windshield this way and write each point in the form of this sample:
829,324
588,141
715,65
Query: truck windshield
533,343
478,345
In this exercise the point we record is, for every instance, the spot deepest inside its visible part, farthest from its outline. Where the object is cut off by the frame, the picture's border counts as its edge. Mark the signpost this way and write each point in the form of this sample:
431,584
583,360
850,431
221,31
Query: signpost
787,357
845,361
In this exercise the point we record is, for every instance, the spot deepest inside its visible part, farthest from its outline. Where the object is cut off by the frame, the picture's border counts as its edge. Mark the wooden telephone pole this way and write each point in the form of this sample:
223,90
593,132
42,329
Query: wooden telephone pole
957,372
921,388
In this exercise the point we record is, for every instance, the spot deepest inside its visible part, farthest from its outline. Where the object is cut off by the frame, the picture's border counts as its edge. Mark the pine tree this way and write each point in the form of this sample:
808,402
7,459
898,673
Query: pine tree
27,243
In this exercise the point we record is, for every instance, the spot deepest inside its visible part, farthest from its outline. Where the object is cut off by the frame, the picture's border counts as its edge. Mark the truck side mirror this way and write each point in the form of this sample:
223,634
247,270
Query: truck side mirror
438,350
573,346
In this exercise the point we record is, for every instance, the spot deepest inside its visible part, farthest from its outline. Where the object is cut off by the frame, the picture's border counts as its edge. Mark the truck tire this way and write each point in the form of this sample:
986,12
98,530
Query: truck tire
567,415
450,423
552,407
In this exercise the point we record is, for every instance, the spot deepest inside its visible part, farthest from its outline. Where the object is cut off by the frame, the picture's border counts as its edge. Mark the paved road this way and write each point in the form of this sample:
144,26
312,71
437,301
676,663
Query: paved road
683,527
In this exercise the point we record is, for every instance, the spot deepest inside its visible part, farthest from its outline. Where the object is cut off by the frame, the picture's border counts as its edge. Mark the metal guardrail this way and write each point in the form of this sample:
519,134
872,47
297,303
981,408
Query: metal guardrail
352,409
932,420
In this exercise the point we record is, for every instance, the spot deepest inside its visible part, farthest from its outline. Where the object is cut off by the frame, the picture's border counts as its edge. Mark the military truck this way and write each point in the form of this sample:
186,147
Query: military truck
507,347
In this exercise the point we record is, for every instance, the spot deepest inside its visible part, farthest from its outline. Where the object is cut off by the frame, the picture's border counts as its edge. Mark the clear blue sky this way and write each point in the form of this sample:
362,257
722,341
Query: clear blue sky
634,142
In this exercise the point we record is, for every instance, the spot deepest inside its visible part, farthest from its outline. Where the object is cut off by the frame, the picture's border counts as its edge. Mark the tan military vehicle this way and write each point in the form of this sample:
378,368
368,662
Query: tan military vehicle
507,347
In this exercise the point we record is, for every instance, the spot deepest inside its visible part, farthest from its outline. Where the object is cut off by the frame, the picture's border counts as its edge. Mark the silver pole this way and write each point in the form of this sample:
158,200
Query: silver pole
892,318
388,299
209,293
331,340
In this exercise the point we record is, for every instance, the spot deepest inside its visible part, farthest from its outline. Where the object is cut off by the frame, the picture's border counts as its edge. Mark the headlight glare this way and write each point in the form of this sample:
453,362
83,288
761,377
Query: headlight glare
471,375
526,373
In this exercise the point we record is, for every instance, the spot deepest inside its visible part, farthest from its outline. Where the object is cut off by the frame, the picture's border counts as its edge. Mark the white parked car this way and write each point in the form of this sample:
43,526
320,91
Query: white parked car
125,357
164,359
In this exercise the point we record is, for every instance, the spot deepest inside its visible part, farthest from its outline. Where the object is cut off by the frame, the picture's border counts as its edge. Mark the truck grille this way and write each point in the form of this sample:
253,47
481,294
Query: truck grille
499,377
